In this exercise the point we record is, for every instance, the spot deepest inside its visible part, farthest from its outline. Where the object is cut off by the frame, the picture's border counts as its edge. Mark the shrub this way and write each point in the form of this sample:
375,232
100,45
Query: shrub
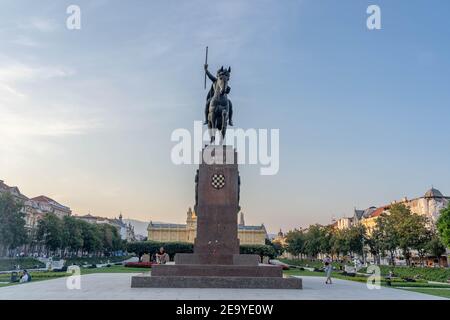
260,250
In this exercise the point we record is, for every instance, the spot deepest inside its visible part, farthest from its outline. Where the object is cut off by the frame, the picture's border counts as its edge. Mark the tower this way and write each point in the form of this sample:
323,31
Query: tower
241,219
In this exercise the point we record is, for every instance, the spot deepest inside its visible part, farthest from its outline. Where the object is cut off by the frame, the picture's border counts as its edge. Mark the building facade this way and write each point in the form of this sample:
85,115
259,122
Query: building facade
35,208
429,205
169,232
126,231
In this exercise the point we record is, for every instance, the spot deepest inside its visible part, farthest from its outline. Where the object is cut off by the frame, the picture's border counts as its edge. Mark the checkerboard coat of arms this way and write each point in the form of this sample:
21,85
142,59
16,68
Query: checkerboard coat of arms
218,181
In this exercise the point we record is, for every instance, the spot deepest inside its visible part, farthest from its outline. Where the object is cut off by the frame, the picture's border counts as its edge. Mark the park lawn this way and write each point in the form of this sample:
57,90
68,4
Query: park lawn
114,269
445,293
394,284
305,273
48,275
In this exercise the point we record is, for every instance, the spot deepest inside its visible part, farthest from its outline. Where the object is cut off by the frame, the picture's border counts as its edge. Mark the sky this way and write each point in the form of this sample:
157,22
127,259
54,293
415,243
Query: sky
86,115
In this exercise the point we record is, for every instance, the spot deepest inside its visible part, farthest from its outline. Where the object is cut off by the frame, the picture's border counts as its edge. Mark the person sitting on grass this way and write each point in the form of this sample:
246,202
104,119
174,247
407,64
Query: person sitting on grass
26,277
162,257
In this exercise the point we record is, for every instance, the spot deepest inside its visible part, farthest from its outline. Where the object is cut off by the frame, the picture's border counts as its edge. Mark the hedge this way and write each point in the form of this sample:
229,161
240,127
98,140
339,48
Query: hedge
94,260
7,264
151,247
172,248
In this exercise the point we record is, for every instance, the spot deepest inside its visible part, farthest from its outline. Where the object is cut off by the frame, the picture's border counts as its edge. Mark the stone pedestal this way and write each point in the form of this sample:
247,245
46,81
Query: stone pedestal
216,261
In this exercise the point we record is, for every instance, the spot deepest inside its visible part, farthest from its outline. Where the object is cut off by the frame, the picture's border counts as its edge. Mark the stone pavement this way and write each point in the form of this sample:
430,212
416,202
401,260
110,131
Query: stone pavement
110,286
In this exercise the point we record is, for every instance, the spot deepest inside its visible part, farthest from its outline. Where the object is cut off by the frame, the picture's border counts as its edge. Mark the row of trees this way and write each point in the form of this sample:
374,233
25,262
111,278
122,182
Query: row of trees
71,237
64,237
399,231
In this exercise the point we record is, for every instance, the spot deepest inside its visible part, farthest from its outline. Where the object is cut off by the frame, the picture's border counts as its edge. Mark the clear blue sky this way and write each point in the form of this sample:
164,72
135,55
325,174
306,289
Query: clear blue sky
86,116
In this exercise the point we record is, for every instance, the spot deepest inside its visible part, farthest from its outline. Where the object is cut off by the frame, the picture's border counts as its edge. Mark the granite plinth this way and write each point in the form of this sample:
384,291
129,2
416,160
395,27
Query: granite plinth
147,281
234,259
216,271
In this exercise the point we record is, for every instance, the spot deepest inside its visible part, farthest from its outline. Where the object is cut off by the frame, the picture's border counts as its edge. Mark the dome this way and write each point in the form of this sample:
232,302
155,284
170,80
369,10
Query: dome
433,193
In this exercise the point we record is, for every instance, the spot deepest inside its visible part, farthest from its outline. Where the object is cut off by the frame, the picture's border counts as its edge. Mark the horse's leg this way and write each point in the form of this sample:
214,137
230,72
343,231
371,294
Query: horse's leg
210,118
213,126
224,125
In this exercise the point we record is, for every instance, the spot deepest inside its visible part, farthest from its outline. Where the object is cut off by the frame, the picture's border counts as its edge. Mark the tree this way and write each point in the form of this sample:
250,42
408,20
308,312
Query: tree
435,247
411,229
443,226
72,237
110,238
354,237
278,247
339,243
295,241
375,244
387,235
92,237
403,229
12,223
50,232
313,241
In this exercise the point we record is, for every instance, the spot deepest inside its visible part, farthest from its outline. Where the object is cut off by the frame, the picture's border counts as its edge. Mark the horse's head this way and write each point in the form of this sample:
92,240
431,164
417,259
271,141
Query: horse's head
223,76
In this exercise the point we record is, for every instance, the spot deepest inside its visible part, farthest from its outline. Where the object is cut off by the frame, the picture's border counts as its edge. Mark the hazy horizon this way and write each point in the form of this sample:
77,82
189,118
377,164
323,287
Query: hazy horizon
86,115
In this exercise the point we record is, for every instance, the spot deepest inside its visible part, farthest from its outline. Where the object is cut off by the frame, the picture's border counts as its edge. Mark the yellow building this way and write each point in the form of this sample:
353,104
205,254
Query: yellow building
169,232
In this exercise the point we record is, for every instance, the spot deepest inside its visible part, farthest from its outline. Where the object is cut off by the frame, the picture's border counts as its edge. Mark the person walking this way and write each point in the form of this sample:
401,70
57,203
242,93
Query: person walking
328,270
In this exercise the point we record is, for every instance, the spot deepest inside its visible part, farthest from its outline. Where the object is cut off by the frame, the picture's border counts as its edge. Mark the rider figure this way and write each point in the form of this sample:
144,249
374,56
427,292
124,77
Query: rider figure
211,94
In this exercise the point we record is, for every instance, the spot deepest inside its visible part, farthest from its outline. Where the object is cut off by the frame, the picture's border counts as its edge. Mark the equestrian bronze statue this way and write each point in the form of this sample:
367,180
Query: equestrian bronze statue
218,108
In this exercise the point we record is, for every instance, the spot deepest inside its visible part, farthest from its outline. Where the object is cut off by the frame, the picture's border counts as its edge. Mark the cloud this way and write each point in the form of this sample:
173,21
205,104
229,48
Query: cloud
13,73
25,41
42,25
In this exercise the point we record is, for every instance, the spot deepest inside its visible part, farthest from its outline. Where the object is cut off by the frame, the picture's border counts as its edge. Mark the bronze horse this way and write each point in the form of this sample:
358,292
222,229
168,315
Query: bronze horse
219,106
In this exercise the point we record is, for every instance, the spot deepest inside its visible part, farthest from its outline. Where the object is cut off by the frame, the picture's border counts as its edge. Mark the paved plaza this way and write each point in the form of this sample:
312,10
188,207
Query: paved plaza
112,286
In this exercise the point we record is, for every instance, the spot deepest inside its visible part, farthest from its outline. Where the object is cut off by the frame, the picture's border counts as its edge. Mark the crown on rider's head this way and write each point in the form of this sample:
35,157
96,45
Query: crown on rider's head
224,71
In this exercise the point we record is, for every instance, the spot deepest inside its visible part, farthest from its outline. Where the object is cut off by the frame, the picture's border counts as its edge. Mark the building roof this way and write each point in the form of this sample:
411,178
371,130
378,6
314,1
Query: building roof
433,193
166,225
358,214
241,227
378,211
180,226
12,190
369,211
51,202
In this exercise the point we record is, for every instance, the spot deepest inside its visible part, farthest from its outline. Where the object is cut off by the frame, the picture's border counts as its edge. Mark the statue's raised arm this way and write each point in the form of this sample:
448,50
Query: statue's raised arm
209,74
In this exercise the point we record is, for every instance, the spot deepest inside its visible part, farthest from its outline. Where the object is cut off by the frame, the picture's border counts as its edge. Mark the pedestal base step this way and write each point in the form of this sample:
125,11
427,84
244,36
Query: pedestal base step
216,270
148,281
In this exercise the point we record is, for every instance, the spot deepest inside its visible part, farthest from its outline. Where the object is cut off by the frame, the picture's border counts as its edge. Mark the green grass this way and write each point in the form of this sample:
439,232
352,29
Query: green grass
47,275
305,273
423,273
310,264
394,284
430,274
434,292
